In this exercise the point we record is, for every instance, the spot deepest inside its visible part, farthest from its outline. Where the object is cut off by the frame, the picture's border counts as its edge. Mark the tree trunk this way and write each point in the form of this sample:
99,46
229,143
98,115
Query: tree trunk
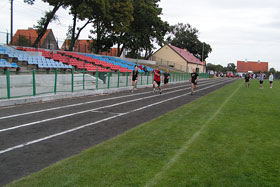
72,42
45,26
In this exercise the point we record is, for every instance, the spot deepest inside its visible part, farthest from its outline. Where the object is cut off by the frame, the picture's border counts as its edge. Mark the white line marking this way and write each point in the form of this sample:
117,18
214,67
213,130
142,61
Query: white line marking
90,124
187,144
90,110
79,104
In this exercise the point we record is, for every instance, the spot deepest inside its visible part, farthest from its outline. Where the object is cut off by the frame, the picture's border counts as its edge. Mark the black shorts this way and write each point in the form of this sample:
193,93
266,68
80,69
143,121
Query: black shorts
261,82
246,80
166,81
270,82
158,82
194,83
134,79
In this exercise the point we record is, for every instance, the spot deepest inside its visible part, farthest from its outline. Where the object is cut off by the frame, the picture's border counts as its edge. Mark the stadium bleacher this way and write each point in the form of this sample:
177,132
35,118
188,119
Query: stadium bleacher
67,60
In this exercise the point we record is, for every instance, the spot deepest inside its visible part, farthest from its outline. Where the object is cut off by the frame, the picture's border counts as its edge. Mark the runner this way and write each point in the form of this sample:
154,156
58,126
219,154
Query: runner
157,75
271,80
261,78
194,79
166,78
247,80
134,77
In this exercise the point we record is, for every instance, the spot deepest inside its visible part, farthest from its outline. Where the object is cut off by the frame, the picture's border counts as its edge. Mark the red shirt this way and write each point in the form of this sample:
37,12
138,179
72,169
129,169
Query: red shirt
157,77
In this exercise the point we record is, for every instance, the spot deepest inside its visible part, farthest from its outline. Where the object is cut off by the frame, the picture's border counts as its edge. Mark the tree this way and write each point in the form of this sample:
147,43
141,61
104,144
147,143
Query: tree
146,29
272,70
112,18
186,37
231,67
46,19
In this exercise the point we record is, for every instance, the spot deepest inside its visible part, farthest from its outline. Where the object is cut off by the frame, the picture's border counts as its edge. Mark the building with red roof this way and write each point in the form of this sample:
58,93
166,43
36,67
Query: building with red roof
251,66
178,58
27,37
83,46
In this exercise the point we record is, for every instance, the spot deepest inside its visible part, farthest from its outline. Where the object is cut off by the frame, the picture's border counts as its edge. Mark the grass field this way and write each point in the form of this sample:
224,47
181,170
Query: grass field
231,137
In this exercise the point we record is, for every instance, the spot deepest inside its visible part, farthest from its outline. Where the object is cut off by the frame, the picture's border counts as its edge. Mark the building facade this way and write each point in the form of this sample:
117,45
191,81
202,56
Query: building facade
180,59
251,66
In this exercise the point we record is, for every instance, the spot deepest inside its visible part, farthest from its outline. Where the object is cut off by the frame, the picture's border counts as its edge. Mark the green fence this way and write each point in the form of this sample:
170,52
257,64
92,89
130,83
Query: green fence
31,83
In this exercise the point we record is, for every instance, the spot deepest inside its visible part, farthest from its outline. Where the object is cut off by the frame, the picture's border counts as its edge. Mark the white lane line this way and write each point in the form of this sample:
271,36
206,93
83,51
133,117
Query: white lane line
90,110
84,103
103,120
187,144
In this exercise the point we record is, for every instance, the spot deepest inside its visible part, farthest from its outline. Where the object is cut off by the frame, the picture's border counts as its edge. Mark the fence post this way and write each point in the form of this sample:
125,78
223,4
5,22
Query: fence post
127,78
118,79
148,78
34,83
109,80
8,84
55,81
72,82
84,79
96,78
141,78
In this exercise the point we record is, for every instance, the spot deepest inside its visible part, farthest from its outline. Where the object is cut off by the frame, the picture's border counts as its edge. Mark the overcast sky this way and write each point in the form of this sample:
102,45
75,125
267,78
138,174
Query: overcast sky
236,29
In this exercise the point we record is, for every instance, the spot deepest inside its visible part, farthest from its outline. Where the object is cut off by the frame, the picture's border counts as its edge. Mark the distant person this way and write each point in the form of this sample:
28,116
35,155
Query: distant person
134,77
271,77
145,69
194,78
141,67
261,78
166,78
247,80
157,75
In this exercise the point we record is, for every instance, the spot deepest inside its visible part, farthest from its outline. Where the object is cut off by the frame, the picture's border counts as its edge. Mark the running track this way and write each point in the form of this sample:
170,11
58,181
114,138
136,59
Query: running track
35,136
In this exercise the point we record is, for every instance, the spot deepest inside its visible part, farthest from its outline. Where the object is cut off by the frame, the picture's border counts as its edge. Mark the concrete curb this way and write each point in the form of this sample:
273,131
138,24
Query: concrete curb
58,96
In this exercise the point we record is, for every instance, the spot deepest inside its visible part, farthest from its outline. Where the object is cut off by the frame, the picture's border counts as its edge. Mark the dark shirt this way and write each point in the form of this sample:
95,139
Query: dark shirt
247,77
166,75
134,75
194,76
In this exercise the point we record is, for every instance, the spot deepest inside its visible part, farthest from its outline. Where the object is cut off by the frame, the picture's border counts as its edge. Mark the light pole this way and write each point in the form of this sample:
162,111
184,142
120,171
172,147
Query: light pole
11,22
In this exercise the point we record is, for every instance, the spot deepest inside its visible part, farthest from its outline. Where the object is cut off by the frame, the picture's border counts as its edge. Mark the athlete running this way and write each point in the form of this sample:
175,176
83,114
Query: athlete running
247,80
166,78
194,78
157,75
134,77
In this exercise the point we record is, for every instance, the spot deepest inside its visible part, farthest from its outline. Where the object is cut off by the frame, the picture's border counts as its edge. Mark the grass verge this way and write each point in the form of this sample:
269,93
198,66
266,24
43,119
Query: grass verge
239,146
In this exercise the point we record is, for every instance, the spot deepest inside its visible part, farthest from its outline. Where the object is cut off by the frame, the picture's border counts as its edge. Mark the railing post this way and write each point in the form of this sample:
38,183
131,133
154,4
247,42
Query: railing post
8,84
84,79
108,80
55,81
118,79
127,79
72,81
141,78
96,78
148,78
34,83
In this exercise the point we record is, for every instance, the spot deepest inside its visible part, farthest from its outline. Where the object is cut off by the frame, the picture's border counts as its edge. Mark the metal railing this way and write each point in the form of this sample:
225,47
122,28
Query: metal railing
15,84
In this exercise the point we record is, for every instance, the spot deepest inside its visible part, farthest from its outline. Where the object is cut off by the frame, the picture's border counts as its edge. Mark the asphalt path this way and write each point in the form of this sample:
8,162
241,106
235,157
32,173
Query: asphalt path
34,136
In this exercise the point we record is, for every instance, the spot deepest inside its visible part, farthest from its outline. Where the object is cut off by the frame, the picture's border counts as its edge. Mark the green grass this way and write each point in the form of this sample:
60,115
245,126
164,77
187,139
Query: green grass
239,146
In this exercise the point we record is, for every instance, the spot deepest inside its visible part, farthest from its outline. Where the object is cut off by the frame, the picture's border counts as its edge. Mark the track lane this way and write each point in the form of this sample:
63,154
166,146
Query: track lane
34,157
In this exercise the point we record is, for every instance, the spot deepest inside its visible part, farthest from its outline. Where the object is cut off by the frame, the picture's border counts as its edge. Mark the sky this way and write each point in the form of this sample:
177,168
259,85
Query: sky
235,29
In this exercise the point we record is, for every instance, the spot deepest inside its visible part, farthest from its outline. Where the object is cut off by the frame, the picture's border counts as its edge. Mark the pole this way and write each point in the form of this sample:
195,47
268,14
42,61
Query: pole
96,78
34,83
55,81
8,84
202,52
11,22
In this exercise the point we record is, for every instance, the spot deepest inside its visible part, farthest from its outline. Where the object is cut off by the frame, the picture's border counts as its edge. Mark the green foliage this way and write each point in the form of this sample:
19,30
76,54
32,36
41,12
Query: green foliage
186,37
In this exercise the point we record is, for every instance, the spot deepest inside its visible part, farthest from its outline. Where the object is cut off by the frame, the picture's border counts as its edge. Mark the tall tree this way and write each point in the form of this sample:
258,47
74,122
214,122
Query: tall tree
46,19
186,37
146,29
